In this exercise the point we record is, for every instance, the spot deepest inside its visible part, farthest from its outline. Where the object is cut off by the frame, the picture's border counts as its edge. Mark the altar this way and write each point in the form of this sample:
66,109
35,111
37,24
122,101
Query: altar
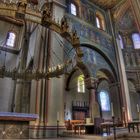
15,125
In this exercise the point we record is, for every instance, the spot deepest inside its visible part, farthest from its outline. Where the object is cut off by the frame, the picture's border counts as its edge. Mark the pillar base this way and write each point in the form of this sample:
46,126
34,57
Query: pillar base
40,132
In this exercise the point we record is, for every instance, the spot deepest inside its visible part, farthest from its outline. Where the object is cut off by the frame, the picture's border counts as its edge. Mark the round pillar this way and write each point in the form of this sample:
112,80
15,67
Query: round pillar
91,85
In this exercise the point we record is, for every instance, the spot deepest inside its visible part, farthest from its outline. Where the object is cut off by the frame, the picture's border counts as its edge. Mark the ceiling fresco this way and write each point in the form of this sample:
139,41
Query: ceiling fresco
106,3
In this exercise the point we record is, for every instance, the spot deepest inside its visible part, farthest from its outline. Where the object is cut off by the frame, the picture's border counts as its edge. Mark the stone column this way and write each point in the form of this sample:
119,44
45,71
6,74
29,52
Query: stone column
121,72
92,101
55,86
38,87
50,93
124,83
94,110
22,86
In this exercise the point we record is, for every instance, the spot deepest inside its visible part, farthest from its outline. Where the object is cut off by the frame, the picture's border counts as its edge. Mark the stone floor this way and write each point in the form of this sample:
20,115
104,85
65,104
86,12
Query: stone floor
122,134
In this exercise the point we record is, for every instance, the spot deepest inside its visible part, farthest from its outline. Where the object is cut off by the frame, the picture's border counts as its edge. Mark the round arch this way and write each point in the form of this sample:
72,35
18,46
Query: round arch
105,74
84,69
104,56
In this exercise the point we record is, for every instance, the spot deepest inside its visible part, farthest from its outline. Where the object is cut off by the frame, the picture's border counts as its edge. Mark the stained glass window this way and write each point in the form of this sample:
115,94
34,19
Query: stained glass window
10,41
104,100
81,84
136,40
73,9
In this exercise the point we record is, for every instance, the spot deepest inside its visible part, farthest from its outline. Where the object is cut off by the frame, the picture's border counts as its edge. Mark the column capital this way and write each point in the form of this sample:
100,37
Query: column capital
91,83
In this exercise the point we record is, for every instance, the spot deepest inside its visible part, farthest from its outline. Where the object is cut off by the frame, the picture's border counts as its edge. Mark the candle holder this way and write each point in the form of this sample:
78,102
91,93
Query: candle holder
114,127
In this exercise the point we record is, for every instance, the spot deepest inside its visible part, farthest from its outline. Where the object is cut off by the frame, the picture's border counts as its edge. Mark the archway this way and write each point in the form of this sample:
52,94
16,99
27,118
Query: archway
108,89
76,97
105,57
90,67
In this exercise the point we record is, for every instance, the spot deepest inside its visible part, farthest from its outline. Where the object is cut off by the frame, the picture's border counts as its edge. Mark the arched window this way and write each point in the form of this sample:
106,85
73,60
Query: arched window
81,84
73,9
100,22
104,100
121,42
136,40
10,40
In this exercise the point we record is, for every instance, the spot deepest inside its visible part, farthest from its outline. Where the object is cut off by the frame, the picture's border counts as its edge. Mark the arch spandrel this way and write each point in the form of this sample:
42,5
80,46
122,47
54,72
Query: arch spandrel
95,59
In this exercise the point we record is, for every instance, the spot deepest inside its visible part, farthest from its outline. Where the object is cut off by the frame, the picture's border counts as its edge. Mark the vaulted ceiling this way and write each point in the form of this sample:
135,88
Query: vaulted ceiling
106,3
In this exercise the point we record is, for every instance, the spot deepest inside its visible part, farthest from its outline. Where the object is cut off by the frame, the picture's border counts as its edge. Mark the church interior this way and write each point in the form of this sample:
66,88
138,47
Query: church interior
69,66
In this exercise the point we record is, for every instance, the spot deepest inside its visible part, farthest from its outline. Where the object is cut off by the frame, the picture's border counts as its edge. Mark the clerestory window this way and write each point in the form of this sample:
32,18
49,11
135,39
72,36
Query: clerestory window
100,22
136,40
10,40
73,9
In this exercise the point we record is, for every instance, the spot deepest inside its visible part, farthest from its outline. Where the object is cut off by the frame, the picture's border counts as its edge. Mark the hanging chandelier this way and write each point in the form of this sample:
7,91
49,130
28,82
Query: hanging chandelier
62,29
55,71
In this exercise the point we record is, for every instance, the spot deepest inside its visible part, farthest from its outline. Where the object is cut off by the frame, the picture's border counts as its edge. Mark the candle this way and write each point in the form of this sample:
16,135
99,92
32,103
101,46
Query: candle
57,116
112,110
138,110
